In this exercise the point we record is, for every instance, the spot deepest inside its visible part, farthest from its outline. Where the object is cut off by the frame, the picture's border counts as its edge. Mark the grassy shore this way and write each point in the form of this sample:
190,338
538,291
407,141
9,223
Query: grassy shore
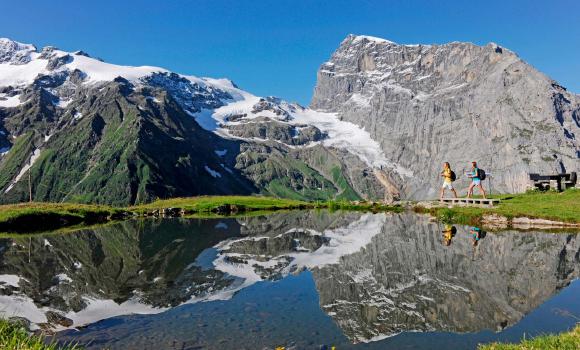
564,341
34,217
30,217
208,204
562,206
216,204
15,337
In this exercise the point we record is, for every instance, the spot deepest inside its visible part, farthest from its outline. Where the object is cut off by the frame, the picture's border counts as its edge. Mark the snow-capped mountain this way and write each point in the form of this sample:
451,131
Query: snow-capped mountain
101,132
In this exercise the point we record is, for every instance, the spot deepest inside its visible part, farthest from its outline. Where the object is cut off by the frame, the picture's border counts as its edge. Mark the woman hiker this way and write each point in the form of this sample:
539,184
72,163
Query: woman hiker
475,180
448,178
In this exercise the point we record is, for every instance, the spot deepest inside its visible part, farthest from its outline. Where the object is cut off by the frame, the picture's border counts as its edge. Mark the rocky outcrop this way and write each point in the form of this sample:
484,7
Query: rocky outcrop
457,102
267,129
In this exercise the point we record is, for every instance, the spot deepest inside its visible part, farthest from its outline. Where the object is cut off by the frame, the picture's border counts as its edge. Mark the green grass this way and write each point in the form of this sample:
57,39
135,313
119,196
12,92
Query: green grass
564,341
34,217
31,217
348,193
210,204
559,206
281,188
15,337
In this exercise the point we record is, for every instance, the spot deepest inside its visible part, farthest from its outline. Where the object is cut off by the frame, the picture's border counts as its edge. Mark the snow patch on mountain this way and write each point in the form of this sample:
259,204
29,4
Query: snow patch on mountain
9,101
102,71
372,39
212,172
9,280
25,168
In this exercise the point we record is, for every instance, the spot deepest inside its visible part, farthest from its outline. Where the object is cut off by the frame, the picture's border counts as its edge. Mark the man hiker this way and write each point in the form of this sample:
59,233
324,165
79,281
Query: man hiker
475,180
448,177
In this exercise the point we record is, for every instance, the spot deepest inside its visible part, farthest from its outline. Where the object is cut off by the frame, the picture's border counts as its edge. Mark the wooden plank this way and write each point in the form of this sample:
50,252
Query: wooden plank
471,201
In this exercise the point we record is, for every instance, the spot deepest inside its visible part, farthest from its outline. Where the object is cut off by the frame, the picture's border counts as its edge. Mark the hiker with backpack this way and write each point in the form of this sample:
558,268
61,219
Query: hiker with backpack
448,178
477,175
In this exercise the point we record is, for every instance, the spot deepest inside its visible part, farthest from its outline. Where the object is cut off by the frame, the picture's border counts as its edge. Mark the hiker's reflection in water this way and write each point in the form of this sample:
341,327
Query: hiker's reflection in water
449,232
477,234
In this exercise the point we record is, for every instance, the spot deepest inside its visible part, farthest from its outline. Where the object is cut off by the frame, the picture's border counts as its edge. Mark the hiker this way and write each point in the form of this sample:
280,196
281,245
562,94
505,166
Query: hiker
448,178
448,234
476,178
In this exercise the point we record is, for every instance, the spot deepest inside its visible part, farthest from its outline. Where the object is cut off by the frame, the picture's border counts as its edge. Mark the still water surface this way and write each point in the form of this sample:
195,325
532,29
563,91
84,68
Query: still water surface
300,279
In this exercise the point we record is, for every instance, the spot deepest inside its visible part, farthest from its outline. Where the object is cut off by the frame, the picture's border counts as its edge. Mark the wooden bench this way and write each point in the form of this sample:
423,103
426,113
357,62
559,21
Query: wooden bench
557,182
486,202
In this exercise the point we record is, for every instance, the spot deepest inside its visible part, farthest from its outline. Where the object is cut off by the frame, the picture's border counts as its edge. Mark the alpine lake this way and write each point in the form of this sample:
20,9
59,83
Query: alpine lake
295,279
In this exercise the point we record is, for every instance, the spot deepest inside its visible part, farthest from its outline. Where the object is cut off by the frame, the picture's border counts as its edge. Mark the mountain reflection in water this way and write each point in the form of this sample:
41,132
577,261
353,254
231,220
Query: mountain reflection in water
375,275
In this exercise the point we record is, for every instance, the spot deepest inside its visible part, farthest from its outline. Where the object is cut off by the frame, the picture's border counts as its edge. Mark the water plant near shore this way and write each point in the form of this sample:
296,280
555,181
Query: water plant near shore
14,336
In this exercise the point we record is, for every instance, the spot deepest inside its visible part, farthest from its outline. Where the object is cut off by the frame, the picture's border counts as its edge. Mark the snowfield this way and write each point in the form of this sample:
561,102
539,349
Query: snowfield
341,134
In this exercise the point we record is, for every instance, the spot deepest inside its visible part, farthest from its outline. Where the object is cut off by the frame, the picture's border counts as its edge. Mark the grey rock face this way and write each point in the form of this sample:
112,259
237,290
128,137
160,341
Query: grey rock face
267,129
458,102
57,62
191,96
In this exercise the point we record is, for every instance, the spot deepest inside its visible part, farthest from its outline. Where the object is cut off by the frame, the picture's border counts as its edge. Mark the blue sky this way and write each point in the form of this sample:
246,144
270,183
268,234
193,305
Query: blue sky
275,47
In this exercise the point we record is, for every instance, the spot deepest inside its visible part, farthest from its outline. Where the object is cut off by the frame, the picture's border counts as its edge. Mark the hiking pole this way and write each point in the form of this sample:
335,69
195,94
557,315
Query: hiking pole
490,166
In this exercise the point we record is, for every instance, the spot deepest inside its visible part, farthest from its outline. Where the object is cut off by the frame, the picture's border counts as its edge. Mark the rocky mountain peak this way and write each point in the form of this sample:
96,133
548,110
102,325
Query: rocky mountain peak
425,103
14,52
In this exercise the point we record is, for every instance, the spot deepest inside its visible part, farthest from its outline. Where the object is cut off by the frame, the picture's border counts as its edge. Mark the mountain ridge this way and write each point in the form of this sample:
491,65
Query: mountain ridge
92,131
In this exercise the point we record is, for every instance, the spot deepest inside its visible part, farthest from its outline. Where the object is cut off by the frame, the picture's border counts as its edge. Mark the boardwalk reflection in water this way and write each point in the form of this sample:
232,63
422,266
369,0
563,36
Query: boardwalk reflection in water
370,277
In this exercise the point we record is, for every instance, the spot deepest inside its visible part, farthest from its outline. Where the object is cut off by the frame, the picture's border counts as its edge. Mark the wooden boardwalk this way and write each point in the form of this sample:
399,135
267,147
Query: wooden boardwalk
471,201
